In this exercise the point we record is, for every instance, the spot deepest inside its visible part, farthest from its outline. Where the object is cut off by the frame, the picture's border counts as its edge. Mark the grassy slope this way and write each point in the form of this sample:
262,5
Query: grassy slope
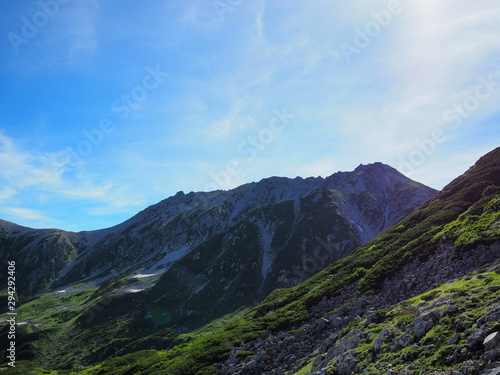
471,295
466,212
103,324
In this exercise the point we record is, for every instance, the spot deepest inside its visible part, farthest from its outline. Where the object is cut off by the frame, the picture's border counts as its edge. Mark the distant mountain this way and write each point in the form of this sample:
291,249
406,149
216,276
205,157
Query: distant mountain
281,221
421,298
195,257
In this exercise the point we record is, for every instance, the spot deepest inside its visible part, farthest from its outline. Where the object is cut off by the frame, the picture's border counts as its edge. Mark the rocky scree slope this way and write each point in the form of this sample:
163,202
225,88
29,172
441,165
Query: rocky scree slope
371,325
422,298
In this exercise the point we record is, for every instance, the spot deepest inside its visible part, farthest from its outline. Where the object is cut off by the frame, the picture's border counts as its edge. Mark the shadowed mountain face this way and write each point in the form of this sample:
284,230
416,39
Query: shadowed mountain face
421,298
194,257
422,295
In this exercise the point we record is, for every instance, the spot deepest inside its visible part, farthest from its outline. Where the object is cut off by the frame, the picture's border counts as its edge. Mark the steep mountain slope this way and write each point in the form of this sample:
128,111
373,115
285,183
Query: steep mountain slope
382,309
192,258
365,202
275,216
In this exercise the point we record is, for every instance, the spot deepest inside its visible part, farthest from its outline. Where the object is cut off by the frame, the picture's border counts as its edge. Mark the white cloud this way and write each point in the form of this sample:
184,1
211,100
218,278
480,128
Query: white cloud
236,120
228,76
82,29
258,19
7,192
22,169
439,172
44,177
26,214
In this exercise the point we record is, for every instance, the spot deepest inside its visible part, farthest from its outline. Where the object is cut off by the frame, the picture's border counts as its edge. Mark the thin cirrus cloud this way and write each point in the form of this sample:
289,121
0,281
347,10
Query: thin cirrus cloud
21,169
80,24
37,179
228,74
56,37
27,214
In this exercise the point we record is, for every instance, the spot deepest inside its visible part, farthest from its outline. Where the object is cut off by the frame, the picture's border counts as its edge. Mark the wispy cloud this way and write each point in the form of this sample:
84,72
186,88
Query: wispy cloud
6,193
81,25
22,169
39,178
392,96
26,214
227,75
69,37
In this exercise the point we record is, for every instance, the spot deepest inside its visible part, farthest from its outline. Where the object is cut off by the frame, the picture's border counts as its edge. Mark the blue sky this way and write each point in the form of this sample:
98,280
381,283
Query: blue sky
108,107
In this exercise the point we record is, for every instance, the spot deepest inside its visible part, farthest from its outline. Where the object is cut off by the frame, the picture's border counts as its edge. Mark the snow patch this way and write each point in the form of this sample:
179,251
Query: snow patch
133,290
360,228
142,276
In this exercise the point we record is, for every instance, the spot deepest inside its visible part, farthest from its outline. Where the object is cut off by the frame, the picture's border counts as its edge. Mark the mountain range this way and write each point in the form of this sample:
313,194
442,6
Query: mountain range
240,244
360,272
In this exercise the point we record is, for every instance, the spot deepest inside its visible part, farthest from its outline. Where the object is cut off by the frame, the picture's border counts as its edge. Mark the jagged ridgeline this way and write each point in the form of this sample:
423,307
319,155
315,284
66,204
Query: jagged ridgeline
413,300
422,298
272,226
190,259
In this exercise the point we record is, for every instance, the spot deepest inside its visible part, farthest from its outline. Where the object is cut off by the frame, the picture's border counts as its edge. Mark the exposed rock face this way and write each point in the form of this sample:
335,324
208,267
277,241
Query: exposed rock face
422,298
238,245
492,340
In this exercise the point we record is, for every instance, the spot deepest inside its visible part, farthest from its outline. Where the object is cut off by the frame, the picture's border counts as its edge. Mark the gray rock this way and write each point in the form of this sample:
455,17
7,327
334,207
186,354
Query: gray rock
403,341
336,322
477,337
431,316
250,366
421,328
493,371
346,364
492,355
492,340
450,310
453,340
377,344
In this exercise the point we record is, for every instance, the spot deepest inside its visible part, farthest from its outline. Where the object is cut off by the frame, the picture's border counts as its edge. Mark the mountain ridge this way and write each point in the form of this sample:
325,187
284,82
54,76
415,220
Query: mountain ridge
231,206
193,258
355,316
419,299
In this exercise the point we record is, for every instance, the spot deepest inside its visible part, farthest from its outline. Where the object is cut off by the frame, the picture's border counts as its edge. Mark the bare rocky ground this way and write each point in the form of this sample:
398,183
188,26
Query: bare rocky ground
326,340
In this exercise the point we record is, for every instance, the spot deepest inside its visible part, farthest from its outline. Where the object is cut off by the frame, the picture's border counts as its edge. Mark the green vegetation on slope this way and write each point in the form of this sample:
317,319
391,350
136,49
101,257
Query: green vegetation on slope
466,212
453,313
476,192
